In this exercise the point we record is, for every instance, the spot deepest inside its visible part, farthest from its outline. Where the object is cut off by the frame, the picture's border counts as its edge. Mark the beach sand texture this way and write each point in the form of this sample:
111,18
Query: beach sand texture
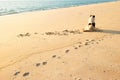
49,45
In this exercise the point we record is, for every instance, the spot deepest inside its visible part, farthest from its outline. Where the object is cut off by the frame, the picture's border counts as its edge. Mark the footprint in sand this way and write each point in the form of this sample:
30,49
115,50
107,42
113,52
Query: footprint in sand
53,56
92,40
35,33
87,39
67,51
78,79
44,63
24,35
59,57
104,71
49,33
102,39
80,46
16,73
63,62
97,42
37,64
92,43
86,43
80,42
27,34
26,74
75,48
71,75
20,35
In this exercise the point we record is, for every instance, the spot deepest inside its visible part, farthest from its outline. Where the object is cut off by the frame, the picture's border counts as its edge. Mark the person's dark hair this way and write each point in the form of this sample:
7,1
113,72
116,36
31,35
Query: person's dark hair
93,16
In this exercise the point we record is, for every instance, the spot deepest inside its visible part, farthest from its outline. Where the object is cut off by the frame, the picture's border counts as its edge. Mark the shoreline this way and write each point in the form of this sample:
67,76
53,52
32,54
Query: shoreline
57,8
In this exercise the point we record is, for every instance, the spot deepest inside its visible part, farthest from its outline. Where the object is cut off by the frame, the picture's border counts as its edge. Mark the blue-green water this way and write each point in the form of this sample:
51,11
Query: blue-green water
18,6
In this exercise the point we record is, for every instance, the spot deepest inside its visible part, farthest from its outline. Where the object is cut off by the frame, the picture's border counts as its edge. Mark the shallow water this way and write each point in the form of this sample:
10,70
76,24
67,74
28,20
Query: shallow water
18,6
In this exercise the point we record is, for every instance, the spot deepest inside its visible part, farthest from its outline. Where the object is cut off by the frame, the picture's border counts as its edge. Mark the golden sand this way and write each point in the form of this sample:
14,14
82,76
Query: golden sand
49,45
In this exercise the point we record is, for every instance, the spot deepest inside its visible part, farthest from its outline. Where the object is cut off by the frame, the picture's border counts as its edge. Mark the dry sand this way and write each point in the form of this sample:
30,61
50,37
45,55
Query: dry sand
49,45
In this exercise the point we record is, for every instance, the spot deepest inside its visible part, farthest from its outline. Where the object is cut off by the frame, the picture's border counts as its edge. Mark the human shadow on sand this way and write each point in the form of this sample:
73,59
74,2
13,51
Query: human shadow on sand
107,31
110,31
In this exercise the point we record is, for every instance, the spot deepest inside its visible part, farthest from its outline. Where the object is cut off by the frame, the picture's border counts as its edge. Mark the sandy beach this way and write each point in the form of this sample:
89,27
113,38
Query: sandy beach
50,45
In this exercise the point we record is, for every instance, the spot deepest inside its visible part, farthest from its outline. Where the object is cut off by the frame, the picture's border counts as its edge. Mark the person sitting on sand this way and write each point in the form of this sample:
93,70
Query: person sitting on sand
91,24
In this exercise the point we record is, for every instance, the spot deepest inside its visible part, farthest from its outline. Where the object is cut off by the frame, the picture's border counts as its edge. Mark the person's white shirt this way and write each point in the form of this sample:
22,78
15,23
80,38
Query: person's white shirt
91,20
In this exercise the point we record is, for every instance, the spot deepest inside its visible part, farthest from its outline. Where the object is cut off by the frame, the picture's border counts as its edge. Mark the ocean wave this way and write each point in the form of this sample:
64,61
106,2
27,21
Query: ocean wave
13,7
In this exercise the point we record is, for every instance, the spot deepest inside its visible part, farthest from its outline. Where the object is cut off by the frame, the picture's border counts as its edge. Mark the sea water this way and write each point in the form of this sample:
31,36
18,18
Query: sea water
18,6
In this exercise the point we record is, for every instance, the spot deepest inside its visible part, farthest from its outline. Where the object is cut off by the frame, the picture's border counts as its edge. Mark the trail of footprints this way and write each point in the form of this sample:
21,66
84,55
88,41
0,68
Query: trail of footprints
79,45
59,33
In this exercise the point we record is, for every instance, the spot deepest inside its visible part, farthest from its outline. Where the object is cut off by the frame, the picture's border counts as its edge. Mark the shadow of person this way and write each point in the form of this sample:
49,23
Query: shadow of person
108,31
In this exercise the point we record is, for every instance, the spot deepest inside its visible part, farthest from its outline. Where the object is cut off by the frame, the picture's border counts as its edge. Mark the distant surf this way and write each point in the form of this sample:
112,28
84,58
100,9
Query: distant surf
18,6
